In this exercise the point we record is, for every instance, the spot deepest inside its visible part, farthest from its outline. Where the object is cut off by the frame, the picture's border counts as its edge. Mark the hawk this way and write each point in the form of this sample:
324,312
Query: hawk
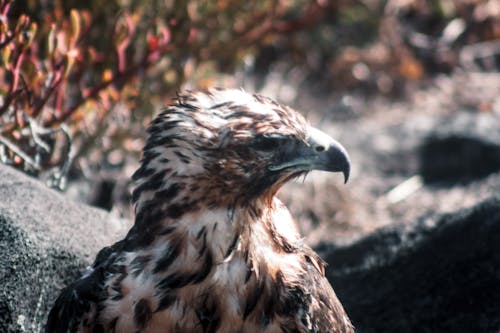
212,249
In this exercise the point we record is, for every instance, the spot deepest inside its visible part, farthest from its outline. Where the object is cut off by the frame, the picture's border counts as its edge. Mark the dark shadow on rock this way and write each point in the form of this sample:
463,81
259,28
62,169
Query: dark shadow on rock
103,194
453,159
440,275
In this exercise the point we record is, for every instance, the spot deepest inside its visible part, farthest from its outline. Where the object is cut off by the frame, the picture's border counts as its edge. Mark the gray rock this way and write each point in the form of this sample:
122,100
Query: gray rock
46,240
441,274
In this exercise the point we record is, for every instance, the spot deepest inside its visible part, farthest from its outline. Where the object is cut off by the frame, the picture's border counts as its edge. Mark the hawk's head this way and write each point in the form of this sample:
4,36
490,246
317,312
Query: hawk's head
226,147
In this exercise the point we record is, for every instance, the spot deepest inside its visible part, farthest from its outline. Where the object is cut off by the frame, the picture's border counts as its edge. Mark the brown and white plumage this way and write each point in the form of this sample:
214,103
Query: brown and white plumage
212,249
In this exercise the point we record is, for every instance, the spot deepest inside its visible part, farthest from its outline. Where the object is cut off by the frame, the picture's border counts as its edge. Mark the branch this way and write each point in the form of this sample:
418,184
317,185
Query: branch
12,147
124,76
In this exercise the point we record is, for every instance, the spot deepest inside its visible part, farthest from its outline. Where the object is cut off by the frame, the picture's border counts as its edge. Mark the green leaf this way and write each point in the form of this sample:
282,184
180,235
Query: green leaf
75,27
52,40
32,33
6,52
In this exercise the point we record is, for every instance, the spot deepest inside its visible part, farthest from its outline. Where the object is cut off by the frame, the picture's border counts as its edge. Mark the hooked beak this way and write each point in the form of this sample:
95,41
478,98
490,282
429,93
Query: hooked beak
321,152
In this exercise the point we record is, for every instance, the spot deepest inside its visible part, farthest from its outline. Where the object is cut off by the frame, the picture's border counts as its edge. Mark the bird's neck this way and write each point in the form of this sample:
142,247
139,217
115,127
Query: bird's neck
260,227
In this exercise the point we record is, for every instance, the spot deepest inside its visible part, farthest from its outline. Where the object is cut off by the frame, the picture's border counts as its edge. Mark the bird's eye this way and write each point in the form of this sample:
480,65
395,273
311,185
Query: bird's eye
265,143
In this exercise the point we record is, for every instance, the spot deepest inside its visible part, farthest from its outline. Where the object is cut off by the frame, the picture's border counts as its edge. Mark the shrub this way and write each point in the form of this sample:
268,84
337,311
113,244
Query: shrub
79,80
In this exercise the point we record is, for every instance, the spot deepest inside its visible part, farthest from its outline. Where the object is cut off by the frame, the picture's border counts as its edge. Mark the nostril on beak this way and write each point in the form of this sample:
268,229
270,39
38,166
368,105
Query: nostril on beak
319,149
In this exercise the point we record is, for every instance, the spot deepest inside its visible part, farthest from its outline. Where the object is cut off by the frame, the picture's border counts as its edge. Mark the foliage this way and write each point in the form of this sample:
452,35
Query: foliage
79,80
76,76
384,47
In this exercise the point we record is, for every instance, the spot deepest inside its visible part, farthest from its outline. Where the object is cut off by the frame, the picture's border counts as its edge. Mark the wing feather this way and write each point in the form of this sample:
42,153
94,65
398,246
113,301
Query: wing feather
75,309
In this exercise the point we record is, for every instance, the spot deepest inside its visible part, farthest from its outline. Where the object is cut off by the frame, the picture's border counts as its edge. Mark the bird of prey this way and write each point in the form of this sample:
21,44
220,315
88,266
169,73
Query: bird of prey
212,249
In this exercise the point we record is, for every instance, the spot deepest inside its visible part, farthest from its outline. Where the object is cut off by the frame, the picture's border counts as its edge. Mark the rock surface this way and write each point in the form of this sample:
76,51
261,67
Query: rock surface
46,240
441,273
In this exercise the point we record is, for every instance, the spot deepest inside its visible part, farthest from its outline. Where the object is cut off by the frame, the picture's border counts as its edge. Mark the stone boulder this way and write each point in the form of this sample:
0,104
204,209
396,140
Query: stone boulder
439,274
46,241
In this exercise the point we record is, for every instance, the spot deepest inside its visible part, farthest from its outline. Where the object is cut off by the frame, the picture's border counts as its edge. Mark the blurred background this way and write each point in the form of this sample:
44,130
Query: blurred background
410,87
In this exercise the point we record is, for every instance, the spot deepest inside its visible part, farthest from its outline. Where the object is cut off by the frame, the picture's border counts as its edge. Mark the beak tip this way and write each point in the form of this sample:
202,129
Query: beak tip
346,172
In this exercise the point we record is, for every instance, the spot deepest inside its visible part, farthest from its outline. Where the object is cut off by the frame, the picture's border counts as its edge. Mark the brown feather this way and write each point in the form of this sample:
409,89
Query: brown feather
212,248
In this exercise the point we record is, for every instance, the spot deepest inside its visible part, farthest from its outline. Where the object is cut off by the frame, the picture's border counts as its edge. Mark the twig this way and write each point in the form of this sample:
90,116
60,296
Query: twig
36,131
9,144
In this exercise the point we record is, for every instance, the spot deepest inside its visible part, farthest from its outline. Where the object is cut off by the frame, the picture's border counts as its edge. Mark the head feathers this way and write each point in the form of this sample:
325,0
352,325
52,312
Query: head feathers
217,139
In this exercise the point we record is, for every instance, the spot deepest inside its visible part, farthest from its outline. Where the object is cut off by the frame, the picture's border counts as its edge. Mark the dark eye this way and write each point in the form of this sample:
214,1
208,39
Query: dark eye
266,143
